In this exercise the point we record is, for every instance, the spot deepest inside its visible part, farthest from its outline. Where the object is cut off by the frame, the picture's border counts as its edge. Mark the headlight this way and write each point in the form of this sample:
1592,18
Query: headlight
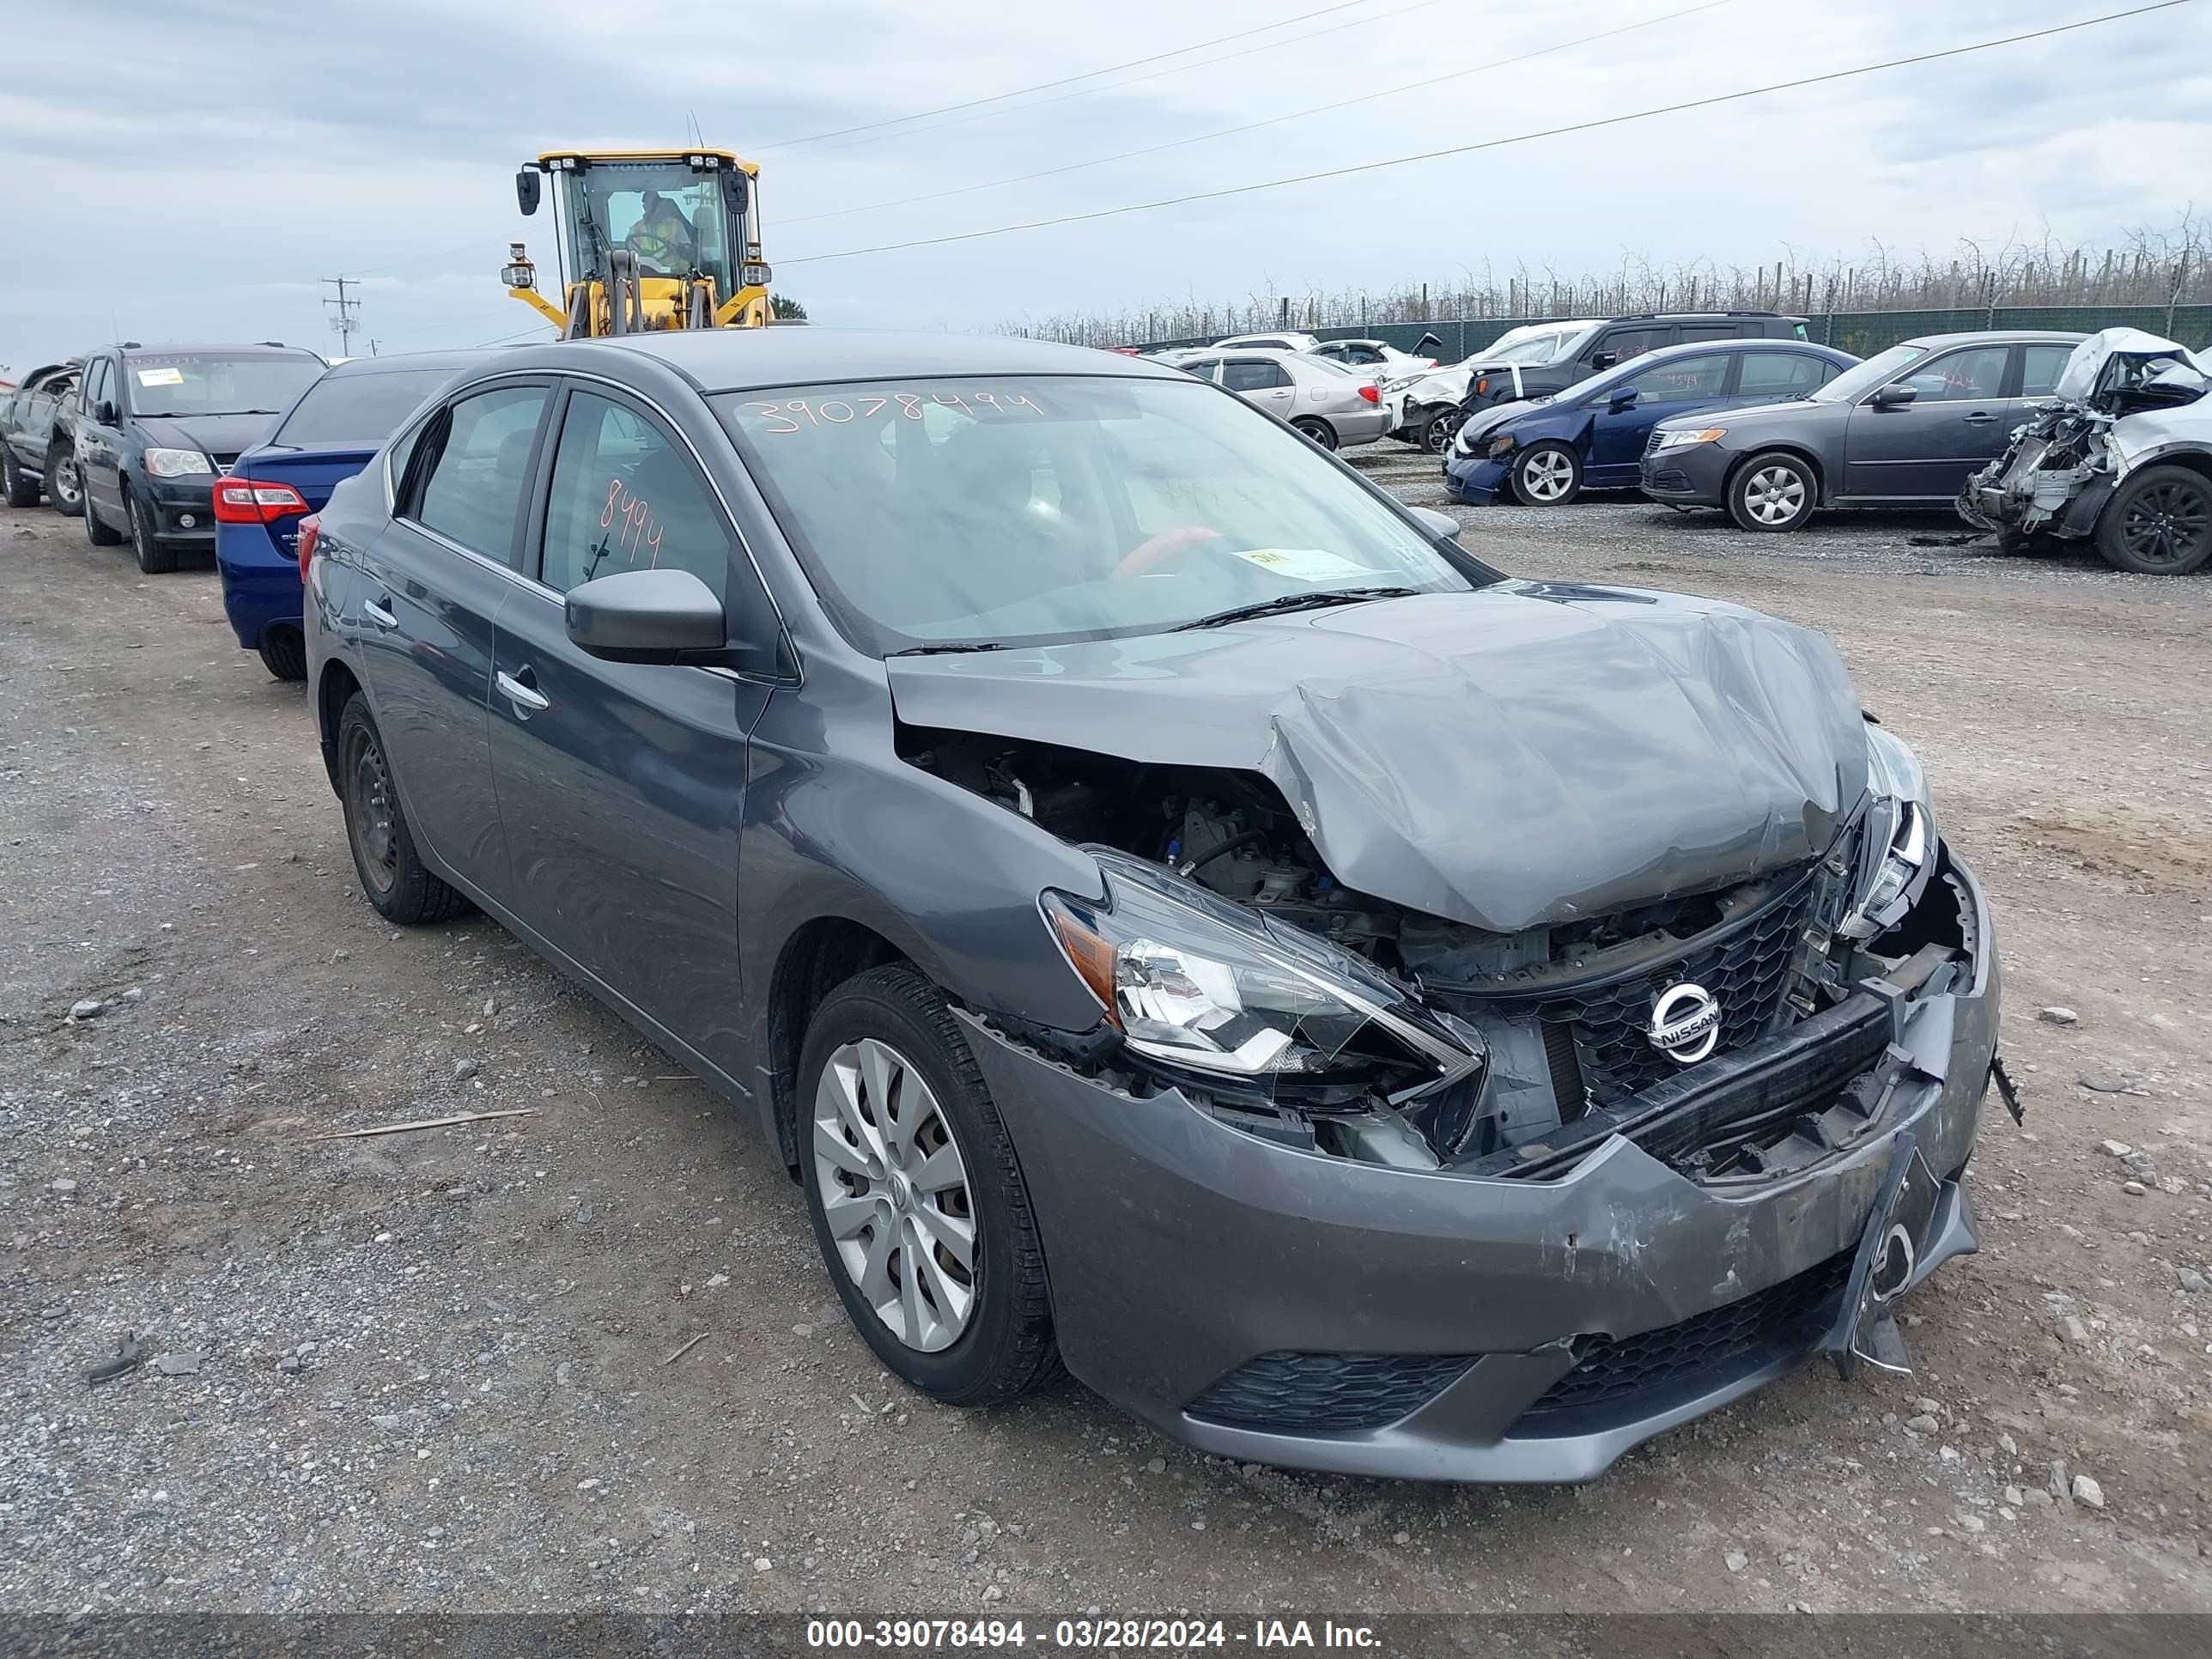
1685,439
1904,814
1203,985
176,463
1504,444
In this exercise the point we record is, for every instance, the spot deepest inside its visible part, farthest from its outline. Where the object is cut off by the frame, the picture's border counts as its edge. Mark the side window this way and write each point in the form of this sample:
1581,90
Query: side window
472,468
1253,374
1781,374
2039,369
1680,379
1975,374
1627,342
1693,332
626,497
98,384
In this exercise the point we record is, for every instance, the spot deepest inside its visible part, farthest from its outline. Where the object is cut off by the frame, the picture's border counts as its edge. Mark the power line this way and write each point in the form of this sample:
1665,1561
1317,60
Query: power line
1496,143
1180,69
342,311
1272,121
1069,80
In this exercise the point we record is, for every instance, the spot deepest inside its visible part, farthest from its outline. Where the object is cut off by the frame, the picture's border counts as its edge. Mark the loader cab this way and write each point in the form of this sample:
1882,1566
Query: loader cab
686,222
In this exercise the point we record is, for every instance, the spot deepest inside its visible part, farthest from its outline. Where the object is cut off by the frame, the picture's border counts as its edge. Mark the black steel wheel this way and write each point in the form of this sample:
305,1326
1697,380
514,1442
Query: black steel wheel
392,874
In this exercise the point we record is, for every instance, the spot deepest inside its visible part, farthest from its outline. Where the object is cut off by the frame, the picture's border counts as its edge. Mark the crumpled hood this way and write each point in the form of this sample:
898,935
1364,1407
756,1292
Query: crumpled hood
211,435
2085,368
1525,753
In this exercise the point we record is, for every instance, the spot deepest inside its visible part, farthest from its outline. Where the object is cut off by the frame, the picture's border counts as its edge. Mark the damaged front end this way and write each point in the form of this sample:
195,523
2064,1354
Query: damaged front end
2106,420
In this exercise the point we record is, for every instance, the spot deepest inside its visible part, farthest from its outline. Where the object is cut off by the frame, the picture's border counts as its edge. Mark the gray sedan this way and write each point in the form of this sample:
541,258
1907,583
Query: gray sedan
1904,428
1335,406
1174,912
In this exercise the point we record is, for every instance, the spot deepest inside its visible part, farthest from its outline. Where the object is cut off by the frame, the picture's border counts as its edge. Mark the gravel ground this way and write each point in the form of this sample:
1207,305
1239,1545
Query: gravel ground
440,1368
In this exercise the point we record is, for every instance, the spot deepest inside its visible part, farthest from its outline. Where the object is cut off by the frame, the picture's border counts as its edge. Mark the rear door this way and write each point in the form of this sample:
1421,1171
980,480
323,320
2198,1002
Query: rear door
622,784
1260,380
1673,387
1778,377
1923,450
435,581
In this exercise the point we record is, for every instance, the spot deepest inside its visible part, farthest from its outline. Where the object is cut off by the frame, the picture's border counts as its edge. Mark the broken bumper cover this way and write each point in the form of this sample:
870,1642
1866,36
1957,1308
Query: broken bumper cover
1290,1307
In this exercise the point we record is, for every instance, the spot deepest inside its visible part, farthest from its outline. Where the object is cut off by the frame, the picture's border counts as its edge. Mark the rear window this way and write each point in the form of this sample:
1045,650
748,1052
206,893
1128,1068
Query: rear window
359,409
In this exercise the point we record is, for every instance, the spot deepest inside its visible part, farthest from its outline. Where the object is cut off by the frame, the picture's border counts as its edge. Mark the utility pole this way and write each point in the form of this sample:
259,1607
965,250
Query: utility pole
342,311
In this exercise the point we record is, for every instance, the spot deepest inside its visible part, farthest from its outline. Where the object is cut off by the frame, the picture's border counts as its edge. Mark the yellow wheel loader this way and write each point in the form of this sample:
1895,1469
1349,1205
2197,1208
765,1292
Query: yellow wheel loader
645,240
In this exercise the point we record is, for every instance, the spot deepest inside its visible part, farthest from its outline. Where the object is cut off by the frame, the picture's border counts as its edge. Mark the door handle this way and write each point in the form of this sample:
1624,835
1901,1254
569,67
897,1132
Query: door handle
522,696
1980,417
377,614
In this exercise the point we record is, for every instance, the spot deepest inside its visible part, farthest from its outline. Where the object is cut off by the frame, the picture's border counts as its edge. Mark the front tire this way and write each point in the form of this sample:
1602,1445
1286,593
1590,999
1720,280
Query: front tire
1548,474
153,559
1319,431
64,483
96,530
2159,523
1773,492
392,874
916,1197
1439,429
20,491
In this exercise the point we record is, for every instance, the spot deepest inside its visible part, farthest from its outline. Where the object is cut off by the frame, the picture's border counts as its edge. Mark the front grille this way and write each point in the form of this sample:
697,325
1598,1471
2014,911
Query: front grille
1749,971
1326,1392
1683,1360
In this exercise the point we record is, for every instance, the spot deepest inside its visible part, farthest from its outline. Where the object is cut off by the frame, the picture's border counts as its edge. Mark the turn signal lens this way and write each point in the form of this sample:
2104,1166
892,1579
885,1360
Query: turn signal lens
311,530
1370,394
243,501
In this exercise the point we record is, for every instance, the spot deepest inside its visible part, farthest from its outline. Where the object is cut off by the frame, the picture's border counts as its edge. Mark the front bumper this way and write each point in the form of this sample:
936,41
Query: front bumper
1473,480
184,509
1693,476
1234,1293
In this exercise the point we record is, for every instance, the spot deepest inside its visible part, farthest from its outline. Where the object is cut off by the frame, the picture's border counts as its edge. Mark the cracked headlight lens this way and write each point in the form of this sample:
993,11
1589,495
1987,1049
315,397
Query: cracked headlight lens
1688,440
176,463
1904,811
1198,983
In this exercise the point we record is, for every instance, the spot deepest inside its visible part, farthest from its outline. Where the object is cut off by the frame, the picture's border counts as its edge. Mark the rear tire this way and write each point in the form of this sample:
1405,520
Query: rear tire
984,1332
2159,523
1318,431
392,874
284,654
1548,474
1774,491
95,528
1439,429
20,491
64,483
153,559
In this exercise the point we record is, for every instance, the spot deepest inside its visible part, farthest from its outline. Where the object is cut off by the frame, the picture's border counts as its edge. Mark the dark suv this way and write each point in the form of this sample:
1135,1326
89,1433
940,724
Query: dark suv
1615,342
151,428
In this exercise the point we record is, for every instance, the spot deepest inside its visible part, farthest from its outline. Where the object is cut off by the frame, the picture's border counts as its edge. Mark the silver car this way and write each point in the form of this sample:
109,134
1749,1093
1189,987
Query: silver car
1335,406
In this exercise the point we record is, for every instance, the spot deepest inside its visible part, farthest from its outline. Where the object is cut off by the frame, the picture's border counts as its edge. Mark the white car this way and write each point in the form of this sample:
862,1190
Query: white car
1425,407
1286,340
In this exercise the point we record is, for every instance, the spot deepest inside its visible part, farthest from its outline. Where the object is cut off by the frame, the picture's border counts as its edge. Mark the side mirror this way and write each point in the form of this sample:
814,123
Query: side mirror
527,183
1605,360
1438,524
1623,397
103,412
646,616
1894,396
733,191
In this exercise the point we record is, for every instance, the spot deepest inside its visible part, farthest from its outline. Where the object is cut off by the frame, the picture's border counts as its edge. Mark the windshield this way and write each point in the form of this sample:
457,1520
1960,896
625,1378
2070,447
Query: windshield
1034,509
194,385
674,219
1857,381
359,411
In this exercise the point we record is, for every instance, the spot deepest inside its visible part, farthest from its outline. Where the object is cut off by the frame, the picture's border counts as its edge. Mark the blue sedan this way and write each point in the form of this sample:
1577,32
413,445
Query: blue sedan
332,431
1592,435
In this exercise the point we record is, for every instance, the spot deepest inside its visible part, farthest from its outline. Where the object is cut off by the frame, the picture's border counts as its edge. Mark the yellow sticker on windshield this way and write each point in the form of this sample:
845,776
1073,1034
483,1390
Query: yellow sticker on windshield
160,377
1303,564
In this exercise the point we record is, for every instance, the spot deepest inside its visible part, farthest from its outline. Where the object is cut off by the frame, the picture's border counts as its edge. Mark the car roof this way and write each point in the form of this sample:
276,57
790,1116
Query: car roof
1999,336
250,349
1747,344
746,359
456,359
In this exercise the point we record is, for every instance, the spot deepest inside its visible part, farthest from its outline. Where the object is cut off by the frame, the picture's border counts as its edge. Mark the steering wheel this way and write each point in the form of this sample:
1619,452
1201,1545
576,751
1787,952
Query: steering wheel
1165,548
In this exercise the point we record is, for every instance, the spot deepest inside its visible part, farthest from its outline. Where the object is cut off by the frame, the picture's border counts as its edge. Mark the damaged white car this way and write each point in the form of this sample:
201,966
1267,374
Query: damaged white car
2123,457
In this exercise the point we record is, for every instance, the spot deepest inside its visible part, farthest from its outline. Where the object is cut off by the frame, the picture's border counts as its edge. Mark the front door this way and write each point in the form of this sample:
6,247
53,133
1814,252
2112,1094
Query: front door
100,442
431,584
1676,386
1923,450
621,784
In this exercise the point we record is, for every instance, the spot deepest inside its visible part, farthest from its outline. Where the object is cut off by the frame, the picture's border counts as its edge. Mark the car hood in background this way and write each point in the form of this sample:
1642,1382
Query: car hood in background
1523,754
213,435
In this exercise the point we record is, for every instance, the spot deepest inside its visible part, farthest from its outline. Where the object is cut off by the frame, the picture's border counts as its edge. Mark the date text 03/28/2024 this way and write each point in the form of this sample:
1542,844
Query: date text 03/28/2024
1091,1633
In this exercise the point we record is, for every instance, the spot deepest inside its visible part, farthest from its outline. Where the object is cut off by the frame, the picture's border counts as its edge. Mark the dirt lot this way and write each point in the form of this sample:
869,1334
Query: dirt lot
480,1409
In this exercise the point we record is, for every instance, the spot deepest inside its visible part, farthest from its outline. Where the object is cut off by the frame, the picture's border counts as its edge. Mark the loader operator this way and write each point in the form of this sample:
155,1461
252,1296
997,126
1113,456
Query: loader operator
662,238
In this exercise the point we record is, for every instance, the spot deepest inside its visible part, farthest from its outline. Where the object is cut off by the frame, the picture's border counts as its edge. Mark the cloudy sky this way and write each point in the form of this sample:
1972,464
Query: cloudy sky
192,168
